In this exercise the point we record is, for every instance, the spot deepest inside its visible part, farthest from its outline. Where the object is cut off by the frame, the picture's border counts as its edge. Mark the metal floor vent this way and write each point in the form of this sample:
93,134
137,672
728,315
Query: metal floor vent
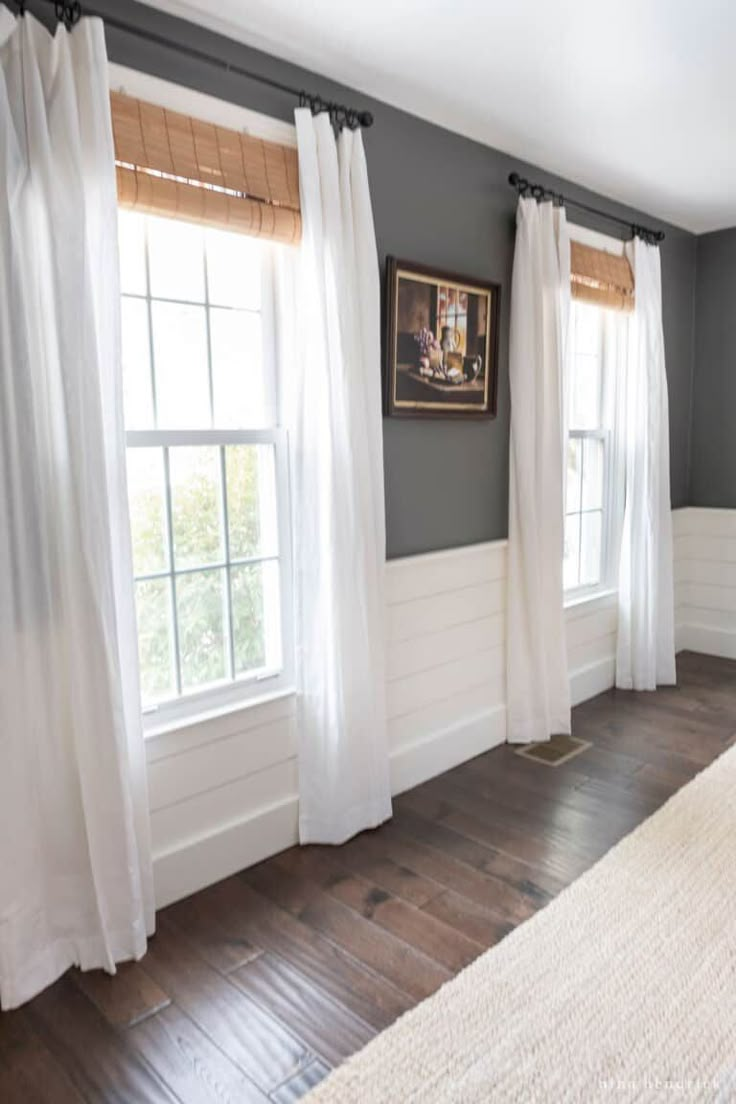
555,751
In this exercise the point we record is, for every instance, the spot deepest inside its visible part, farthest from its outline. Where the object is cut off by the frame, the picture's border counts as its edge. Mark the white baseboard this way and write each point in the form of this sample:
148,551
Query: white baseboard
230,848
592,679
443,750
708,640
202,861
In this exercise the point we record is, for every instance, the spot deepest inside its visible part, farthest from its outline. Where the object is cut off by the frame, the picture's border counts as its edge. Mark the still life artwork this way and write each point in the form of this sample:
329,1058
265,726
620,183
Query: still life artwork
442,343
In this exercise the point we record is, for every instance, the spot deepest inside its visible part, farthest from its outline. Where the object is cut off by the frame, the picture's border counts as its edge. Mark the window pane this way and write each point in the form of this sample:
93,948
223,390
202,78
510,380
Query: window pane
233,270
590,555
176,259
180,358
571,562
588,321
256,616
251,501
201,601
147,503
136,352
585,405
592,494
132,251
196,512
574,473
155,647
237,368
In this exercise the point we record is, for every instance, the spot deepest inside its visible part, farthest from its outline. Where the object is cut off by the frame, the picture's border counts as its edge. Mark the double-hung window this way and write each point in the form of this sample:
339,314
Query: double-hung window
593,490
207,469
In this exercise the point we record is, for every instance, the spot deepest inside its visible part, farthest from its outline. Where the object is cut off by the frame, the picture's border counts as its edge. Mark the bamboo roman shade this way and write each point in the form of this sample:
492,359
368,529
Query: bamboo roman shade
174,165
602,278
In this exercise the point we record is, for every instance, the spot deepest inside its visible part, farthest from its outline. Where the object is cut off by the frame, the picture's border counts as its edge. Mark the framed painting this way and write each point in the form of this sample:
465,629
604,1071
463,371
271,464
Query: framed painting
442,343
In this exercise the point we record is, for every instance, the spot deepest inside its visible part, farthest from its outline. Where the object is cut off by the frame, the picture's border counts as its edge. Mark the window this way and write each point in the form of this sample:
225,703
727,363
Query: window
593,486
207,480
452,310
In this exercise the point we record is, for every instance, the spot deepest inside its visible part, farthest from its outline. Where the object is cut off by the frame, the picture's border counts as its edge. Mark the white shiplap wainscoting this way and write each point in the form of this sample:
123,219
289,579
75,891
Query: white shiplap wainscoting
705,580
223,792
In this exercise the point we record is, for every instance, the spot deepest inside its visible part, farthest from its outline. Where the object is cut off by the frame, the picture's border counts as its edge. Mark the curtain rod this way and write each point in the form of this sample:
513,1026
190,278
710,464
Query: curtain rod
538,192
70,13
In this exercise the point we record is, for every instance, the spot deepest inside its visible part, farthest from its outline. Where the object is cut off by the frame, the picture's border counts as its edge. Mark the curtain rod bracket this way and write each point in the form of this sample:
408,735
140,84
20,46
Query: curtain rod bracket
70,12
339,113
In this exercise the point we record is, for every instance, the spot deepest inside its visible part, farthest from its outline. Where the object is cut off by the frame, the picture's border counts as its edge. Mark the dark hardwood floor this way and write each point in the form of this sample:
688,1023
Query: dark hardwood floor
254,988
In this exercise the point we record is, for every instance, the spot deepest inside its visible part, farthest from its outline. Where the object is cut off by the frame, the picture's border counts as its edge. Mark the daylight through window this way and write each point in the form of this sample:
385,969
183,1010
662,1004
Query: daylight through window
592,491
206,464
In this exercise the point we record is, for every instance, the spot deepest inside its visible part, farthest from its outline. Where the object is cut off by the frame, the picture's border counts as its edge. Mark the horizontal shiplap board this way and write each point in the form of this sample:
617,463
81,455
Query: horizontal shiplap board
445,713
681,522
207,730
710,596
705,581
407,694
581,630
437,572
708,618
709,572
214,809
702,521
697,546
589,606
591,651
415,618
407,657
211,765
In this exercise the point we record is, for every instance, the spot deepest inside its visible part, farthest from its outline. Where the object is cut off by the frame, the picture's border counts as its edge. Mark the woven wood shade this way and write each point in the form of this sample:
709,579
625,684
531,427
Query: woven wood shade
600,277
173,165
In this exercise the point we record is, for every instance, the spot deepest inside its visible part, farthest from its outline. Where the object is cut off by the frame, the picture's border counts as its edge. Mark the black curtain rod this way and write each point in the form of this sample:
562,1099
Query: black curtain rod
70,13
538,192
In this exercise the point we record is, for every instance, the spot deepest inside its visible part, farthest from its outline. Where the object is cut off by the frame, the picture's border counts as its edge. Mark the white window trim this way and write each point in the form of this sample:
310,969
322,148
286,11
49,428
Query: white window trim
596,239
187,101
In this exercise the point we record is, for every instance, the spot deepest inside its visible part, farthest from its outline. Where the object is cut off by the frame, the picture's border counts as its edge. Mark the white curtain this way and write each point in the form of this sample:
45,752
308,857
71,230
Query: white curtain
646,636
538,688
75,875
332,385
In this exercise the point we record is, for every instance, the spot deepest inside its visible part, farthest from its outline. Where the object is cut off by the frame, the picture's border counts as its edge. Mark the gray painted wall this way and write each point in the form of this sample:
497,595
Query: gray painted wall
713,442
444,200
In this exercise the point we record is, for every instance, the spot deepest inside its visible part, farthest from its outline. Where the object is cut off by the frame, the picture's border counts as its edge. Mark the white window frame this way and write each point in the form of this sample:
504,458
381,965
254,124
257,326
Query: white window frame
246,689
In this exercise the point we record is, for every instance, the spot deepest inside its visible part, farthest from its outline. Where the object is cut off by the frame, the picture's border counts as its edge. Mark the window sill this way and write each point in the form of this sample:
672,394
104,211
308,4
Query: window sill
151,730
584,601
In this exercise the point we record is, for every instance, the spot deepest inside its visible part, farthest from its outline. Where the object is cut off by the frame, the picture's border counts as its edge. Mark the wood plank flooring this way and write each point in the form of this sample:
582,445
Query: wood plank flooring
253,989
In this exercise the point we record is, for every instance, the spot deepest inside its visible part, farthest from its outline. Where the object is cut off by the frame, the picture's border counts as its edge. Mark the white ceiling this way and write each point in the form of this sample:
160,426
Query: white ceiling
635,99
